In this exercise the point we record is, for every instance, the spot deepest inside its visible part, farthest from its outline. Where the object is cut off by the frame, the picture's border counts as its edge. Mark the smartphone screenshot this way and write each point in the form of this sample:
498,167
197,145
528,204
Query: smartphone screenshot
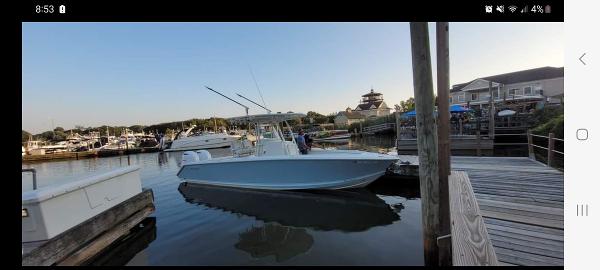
423,134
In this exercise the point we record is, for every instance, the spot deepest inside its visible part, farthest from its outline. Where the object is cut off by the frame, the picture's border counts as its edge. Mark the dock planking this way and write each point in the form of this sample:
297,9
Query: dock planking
522,204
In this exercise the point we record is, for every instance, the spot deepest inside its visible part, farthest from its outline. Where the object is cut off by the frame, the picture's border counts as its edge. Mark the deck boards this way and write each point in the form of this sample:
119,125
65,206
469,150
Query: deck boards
522,203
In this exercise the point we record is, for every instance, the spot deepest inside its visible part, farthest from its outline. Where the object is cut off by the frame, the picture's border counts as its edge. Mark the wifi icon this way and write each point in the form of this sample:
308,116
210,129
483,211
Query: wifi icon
512,9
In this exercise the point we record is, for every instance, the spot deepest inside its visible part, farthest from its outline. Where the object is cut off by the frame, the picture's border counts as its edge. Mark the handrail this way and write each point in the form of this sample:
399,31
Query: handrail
32,170
542,136
546,137
539,146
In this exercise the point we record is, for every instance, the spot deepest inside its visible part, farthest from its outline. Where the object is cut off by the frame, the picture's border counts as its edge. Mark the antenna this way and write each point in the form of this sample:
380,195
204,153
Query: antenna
245,107
268,111
257,88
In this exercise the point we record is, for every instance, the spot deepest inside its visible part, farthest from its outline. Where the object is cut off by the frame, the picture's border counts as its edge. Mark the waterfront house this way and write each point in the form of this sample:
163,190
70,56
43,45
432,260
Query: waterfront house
526,89
372,105
347,117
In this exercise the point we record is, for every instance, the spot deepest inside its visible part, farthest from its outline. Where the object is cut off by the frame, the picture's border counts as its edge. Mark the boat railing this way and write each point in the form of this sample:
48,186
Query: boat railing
32,170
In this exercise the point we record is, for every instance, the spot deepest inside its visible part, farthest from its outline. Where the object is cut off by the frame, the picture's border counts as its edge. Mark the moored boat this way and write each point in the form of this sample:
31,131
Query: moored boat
276,164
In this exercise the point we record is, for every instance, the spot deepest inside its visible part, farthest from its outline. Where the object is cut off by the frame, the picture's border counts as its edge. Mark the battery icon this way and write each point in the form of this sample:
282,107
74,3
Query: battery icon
547,9
62,9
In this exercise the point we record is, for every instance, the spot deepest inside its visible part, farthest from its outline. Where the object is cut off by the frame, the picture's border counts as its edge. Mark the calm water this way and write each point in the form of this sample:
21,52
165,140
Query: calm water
198,225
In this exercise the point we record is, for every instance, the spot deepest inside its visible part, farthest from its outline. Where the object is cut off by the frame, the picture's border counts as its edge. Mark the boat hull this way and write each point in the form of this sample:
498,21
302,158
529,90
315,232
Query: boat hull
289,173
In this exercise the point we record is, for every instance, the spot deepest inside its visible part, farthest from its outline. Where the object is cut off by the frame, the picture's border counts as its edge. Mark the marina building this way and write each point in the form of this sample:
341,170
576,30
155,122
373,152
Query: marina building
530,88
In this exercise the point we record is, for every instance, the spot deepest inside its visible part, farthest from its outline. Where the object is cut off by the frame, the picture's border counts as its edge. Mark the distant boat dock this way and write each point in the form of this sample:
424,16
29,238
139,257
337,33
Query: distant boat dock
86,154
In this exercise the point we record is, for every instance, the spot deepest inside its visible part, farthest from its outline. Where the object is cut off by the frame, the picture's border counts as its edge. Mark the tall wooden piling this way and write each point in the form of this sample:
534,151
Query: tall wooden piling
443,88
426,138
491,124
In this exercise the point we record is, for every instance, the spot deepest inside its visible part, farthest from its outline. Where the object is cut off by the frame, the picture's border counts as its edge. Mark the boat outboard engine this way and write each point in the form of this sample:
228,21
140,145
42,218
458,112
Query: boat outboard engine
203,155
189,157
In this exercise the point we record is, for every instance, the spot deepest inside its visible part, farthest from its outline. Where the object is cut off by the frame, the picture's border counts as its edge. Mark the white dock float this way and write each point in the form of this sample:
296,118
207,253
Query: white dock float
59,221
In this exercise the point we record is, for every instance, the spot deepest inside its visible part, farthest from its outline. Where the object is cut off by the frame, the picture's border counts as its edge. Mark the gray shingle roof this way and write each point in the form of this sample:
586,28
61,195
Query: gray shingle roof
520,76
367,106
351,115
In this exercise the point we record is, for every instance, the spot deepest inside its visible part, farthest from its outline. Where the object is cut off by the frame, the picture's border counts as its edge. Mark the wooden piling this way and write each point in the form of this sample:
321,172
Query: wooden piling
530,145
397,116
443,89
491,124
550,149
426,139
478,136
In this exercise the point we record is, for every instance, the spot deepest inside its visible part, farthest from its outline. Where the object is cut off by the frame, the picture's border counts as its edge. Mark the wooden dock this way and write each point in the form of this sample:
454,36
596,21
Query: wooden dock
521,202
59,156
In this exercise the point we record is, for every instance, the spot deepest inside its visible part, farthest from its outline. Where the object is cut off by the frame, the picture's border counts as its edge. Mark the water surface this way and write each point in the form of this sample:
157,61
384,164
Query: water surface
199,225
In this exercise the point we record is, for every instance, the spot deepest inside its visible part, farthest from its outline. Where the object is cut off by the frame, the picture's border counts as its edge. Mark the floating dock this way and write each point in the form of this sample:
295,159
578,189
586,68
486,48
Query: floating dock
87,154
60,156
519,200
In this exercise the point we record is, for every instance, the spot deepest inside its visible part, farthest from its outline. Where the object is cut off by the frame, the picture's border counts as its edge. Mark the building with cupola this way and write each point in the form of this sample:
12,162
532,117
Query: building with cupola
372,105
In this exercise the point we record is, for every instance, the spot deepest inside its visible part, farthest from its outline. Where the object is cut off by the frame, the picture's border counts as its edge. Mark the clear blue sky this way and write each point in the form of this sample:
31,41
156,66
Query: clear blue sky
145,73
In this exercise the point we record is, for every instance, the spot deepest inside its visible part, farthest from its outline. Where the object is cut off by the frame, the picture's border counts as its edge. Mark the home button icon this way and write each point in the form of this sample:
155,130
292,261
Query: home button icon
582,134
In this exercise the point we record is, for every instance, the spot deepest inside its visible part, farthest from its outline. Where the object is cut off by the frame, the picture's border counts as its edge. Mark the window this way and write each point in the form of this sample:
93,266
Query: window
512,92
461,98
537,89
527,90
450,101
474,96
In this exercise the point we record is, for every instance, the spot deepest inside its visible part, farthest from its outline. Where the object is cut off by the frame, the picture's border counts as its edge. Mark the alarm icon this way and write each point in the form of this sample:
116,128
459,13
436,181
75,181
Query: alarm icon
62,9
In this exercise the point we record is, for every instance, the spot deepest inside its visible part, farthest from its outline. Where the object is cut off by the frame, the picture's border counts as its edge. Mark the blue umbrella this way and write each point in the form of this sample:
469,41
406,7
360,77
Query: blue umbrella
412,113
458,109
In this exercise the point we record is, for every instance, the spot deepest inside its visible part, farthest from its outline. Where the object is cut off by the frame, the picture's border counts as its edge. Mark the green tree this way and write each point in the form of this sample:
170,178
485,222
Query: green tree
406,105
59,129
46,135
136,128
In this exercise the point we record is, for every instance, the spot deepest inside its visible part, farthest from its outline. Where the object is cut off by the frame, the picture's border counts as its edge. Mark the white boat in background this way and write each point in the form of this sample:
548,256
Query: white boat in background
276,164
203,141
333,136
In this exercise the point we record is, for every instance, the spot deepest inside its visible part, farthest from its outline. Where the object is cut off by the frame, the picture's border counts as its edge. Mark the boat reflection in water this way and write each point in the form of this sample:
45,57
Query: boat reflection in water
287,213
272,239
350,210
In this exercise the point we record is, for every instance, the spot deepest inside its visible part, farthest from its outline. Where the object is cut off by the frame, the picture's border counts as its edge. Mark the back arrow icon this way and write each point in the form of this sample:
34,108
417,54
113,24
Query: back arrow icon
581,59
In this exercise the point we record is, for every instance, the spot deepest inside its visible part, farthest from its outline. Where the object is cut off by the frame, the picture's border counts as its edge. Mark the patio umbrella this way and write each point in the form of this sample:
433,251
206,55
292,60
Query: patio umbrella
458,109
412,113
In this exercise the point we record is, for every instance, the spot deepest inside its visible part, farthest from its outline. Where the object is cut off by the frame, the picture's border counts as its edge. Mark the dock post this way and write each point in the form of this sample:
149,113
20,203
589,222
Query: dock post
491,124
426,139
397,116
478,136
550,149
443,89
361,128
530,145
